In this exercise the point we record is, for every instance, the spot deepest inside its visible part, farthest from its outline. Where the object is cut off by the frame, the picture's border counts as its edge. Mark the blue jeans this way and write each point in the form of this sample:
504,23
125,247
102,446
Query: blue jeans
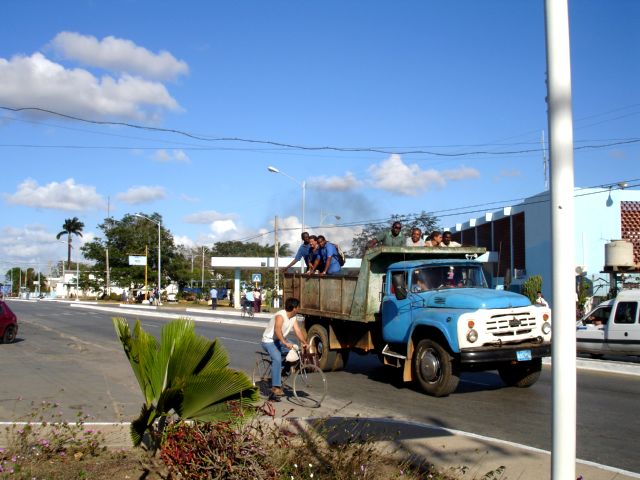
276,351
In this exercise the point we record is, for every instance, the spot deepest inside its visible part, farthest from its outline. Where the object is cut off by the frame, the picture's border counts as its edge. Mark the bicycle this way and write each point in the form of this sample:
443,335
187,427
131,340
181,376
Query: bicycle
247,309
308,382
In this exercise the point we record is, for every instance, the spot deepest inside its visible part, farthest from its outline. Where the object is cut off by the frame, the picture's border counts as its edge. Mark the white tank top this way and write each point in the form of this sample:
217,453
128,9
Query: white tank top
287,324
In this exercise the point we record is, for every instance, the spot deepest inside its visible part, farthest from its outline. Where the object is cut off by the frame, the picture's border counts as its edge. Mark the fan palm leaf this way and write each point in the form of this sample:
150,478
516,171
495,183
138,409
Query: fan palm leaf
183,373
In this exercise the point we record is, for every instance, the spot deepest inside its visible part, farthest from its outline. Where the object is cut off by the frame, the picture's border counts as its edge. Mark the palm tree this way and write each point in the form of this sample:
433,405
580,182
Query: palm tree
183,374
71,226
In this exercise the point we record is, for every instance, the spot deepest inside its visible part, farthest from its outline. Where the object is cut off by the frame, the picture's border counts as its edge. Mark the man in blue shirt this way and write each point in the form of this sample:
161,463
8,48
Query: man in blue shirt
303,251
329,257
213,293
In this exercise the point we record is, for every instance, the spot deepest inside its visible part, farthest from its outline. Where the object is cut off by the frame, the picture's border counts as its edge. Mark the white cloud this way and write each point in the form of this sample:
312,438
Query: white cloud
37,81
119,55
34,245
67,196
184,240
141,194
393,175
208,216
220,227
335,183
177,156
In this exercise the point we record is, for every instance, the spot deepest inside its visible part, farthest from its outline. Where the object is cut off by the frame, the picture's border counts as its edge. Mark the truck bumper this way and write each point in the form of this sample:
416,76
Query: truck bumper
503,353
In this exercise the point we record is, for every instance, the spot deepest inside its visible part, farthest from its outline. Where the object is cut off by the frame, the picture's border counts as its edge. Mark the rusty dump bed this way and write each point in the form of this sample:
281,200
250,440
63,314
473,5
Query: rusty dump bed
357,297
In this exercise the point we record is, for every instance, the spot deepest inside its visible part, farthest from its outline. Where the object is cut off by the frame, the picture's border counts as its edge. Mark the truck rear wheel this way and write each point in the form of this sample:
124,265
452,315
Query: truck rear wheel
521,374
434,370
330,360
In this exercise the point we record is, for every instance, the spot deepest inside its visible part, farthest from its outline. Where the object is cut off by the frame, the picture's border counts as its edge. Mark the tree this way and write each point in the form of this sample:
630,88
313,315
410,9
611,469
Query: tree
71,226
184,373
130,236
424,221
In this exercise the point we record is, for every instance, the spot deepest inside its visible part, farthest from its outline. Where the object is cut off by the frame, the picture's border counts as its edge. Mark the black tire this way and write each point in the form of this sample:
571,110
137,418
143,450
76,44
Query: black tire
521,374
309,386
9,334
434,370
330,360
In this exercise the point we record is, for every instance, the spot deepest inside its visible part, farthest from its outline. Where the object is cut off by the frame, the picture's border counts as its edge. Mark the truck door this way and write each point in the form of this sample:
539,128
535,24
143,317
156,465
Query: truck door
395,304
623,329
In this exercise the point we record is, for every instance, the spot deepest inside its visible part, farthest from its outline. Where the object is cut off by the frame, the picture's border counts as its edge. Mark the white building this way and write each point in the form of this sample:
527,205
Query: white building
519,237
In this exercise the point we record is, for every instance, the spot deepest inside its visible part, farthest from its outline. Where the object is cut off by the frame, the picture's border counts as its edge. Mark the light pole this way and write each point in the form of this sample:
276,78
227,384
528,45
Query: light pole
303,184
159,252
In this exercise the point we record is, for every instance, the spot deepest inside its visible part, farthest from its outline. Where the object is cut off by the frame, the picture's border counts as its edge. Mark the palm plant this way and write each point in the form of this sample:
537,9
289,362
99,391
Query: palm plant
185,374
71,226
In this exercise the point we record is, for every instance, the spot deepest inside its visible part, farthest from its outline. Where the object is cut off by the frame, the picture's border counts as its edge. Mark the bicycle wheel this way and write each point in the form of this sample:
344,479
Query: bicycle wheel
261,376
309,386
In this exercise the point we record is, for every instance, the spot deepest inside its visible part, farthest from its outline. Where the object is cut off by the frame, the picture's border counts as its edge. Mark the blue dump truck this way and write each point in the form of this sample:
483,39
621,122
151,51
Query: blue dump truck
427,312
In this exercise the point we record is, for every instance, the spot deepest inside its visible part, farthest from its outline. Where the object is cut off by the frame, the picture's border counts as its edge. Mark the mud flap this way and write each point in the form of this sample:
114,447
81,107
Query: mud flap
407,373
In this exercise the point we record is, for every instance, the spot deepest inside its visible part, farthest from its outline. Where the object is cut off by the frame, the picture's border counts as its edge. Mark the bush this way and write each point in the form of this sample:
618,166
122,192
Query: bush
203,450
532,286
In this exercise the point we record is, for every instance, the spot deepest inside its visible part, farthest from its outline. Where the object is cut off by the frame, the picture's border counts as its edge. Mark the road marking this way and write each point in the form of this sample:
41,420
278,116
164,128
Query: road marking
238,340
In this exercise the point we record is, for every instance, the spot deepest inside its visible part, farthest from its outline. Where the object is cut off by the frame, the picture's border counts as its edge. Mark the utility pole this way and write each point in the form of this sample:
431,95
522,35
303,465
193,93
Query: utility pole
276,270
203,269
107,249
563,256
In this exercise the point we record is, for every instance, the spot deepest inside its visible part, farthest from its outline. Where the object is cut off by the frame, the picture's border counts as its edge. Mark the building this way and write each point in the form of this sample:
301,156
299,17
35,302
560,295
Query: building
519,237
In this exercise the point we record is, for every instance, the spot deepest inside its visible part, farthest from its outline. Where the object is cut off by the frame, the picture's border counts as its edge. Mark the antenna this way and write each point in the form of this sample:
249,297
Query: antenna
544,163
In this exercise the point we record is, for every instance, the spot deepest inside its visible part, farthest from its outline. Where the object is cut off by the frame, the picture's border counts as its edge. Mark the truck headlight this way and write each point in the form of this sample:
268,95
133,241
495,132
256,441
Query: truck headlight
472,336
546,328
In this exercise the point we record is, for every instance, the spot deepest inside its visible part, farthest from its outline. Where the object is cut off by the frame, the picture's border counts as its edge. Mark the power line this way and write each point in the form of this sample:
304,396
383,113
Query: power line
305,147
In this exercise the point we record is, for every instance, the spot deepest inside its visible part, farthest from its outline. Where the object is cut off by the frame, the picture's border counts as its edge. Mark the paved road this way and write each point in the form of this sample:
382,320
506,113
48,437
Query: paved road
72,356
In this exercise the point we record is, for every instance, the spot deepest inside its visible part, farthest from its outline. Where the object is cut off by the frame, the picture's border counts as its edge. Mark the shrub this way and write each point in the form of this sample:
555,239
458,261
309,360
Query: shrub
532,286
203,450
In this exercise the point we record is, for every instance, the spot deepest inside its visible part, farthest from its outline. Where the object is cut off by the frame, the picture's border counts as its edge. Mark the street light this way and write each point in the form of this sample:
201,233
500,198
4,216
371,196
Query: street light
323,217
159,256
303,184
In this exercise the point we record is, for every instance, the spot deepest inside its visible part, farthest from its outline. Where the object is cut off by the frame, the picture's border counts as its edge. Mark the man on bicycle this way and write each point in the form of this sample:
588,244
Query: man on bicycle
275,343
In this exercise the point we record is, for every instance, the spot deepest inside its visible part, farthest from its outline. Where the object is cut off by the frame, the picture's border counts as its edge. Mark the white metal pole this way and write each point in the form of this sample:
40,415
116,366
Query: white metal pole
77,278
276,270
159,264
563,447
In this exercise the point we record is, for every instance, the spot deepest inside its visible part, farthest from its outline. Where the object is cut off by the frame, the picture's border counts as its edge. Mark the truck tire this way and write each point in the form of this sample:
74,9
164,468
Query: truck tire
434,370
330,360
522,374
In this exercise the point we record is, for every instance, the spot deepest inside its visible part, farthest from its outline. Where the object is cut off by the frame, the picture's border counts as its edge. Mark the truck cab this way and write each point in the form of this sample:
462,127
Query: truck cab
612,328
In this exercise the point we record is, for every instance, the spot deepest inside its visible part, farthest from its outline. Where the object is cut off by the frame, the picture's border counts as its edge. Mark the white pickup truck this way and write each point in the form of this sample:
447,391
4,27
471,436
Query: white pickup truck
612,328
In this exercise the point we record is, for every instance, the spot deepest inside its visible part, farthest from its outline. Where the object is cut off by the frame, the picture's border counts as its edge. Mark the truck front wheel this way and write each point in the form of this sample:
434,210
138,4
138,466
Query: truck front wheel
521,374
434,370
330,360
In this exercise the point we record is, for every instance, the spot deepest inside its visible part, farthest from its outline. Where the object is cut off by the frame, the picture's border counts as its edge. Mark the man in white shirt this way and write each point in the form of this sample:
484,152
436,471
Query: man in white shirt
447,242
275,343
540,301
415,240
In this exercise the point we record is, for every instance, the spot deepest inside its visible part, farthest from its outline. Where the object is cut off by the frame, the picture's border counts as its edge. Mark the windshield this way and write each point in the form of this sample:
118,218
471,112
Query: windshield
447,276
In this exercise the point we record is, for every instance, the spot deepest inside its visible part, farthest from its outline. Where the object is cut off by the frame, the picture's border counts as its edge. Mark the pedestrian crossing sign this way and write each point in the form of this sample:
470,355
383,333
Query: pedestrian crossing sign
256,278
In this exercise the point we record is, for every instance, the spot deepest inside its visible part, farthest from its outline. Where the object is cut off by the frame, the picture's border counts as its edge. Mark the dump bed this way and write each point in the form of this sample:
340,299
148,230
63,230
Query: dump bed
357,297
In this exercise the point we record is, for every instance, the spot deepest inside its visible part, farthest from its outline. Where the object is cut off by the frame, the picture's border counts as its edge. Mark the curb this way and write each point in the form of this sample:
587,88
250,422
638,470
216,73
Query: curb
173,316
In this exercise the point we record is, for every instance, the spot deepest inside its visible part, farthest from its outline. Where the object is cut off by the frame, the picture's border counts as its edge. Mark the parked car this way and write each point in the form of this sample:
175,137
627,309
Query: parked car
8,323
612,328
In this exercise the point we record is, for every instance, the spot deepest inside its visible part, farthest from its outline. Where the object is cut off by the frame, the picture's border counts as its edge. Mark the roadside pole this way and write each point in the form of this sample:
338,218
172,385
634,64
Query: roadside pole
563,354
276,270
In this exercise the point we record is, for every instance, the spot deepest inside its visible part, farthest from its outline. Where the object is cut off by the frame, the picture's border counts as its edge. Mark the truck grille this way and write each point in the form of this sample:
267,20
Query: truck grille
511,324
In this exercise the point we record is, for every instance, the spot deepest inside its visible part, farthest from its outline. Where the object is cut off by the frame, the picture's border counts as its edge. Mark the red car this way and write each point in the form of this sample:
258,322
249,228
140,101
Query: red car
8,323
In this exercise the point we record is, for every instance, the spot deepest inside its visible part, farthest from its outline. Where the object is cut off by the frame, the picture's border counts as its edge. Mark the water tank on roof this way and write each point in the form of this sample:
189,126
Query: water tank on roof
618,256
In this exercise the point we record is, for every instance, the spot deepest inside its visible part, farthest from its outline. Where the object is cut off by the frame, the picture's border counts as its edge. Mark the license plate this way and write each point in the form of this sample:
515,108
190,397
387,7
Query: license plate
523,355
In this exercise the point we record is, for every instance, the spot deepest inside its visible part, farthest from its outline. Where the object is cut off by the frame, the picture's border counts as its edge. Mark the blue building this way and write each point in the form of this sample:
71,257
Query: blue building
519,237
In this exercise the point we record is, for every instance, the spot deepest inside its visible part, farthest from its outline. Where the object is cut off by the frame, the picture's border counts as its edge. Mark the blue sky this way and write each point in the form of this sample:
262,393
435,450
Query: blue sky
437,77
